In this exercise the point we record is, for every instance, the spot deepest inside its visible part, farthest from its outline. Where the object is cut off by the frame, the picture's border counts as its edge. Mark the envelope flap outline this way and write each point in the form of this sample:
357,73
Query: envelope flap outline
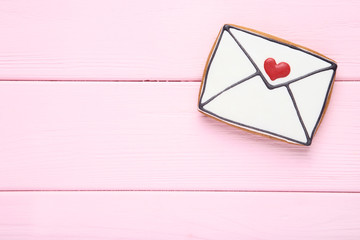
258,48
226,30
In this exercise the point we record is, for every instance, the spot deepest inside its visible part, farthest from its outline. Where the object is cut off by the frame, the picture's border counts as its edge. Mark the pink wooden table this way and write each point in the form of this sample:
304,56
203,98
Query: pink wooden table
101,138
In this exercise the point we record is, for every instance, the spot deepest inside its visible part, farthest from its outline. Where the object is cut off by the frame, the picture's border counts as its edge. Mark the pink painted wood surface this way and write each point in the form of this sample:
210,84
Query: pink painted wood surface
133,136
149,136
174,215
159,40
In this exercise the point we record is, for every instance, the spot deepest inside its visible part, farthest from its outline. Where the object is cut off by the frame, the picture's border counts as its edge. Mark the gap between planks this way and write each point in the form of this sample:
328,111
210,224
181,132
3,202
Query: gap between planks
127,81
184,191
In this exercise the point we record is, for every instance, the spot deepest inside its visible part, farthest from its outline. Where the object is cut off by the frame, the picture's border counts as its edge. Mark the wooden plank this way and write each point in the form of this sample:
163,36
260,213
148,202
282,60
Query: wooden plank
133,136
159,40
179,215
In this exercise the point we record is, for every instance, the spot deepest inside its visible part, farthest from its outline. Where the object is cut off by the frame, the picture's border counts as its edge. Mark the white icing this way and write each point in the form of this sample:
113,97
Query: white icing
253,104
250,104
229,65
260,49
310,94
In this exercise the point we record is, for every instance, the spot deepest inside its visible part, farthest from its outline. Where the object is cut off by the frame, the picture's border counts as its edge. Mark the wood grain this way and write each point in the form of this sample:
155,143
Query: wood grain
159,40
173,215
150,136
140,136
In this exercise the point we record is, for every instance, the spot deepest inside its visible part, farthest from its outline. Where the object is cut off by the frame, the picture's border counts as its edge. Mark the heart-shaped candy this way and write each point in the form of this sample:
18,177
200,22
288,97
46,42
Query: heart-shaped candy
274,70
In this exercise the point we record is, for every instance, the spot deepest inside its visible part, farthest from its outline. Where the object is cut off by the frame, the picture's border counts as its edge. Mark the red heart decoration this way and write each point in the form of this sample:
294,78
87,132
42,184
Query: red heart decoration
274,70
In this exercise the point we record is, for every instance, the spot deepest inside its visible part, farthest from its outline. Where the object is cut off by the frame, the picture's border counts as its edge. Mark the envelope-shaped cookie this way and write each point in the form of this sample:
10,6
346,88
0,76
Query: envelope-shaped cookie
267,85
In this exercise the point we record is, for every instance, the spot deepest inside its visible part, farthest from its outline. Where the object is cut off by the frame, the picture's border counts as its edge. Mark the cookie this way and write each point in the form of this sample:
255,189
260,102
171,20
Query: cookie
264,84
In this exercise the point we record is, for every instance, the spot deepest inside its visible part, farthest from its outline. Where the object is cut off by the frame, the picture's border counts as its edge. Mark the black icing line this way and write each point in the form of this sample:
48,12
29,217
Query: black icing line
268,85
249,58
227,27
324,104
257,72
309,74
228,88
265,82
299,115
209,64
308,139
253,128
245,52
